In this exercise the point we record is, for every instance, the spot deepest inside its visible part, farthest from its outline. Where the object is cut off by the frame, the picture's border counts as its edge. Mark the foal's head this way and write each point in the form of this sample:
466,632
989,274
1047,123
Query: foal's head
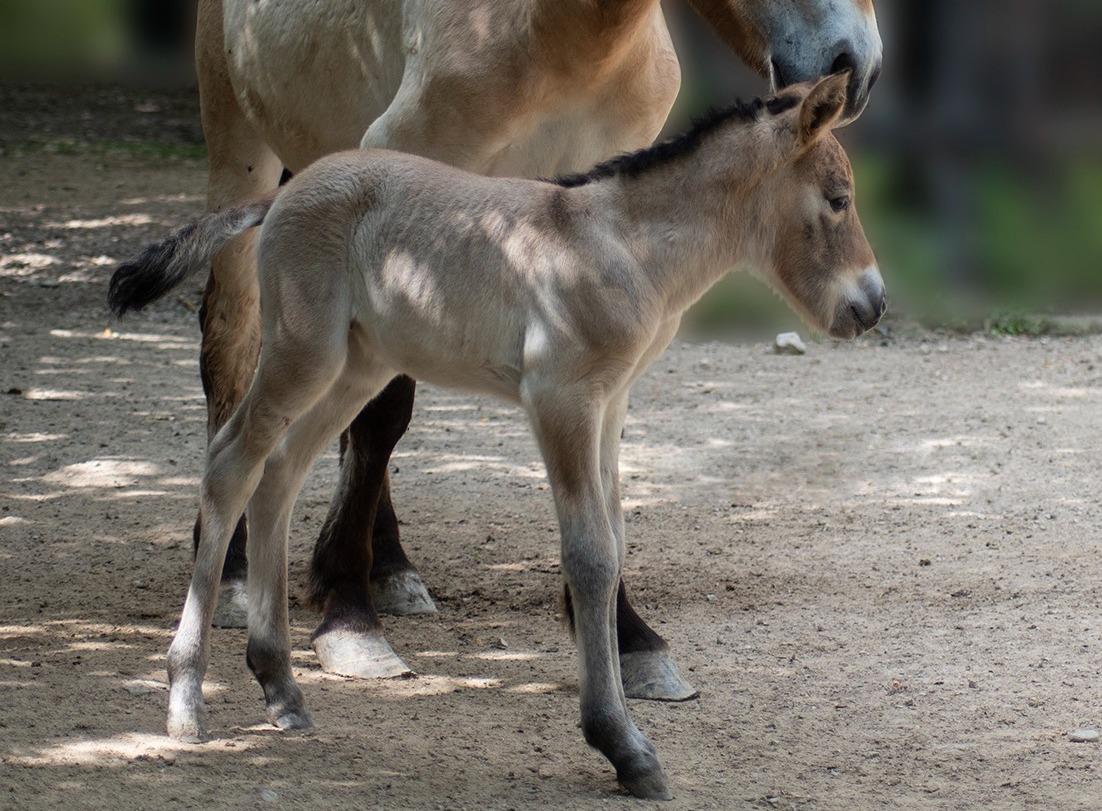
815,252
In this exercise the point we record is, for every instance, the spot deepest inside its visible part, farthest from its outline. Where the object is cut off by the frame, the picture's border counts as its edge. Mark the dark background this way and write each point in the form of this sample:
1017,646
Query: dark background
979,160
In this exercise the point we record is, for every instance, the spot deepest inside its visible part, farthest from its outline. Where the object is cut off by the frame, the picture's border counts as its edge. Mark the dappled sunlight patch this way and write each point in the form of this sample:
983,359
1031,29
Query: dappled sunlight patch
17,631
753,515
504,656
430,685
99,645
161,198
1060,392
102,222
20,265
53,394
119,749
159,340
13,521
15,663
103,473
145,685
536,565
85,628
536,688
17,438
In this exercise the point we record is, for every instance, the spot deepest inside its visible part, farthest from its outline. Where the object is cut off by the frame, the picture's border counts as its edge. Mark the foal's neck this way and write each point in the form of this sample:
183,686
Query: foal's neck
694,219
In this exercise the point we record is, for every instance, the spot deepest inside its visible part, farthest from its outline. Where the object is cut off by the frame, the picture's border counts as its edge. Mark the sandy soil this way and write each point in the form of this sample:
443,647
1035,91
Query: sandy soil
880,563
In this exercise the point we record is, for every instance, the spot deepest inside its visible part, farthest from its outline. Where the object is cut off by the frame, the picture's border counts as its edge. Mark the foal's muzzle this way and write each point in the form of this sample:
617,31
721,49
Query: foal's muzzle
862,307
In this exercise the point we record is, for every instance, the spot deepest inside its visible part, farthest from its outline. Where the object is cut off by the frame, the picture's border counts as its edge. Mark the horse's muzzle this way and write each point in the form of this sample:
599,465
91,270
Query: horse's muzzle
863,306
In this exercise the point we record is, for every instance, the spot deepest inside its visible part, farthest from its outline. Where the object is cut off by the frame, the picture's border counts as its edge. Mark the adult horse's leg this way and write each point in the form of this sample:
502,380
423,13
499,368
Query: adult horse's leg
350,640
396,587
646,667
241,167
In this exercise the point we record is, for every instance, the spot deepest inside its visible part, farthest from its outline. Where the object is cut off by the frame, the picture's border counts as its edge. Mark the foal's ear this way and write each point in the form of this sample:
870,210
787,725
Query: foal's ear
823,107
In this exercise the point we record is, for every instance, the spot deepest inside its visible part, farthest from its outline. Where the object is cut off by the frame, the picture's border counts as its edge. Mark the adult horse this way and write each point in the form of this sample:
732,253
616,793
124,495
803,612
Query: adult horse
499,87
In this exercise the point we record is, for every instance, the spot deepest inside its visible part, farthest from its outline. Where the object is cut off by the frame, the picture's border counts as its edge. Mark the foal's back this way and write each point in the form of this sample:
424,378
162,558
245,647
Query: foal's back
452,277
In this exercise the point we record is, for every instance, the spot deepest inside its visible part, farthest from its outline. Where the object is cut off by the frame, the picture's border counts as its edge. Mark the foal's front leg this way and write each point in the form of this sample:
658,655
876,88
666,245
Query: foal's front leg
568,424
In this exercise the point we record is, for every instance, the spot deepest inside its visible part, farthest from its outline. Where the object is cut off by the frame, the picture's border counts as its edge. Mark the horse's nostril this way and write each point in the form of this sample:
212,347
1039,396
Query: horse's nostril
844,61
779,79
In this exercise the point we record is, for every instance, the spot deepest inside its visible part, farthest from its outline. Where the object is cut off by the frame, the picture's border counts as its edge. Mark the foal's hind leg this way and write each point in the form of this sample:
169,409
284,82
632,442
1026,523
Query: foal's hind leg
242,167
269,650
235,462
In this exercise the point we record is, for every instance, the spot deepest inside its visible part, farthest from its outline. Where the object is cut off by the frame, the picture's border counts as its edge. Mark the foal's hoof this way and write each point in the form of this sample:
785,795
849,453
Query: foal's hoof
362,655
648,785
232,610
401,593
654,676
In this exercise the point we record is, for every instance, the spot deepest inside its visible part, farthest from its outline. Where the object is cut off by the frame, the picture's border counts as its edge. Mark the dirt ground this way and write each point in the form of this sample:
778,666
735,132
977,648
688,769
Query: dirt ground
881,563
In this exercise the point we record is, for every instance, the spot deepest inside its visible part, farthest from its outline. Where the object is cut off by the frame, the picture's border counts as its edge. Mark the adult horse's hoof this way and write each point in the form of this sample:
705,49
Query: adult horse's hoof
401,593
647,785
288,719
232,610
654,676
360,654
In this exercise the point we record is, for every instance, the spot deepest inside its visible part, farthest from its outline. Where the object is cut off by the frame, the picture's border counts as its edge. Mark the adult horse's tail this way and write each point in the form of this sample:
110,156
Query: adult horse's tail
165,264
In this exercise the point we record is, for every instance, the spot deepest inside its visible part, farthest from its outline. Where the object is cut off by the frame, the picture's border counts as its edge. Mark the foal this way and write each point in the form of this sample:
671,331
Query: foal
554,295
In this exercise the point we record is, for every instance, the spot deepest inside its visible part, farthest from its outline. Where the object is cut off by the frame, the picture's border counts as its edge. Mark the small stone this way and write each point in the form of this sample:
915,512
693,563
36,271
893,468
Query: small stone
789,343
499,643
267,795
1085,735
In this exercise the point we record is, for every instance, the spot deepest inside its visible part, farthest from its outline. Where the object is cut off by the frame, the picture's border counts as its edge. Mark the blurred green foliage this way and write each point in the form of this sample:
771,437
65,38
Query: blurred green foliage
42,37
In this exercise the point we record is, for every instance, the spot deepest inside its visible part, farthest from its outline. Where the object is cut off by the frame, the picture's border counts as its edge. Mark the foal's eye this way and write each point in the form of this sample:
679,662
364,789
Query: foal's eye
839,203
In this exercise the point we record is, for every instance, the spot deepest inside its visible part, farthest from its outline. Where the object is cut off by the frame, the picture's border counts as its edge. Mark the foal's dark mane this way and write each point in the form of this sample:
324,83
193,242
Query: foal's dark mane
631,164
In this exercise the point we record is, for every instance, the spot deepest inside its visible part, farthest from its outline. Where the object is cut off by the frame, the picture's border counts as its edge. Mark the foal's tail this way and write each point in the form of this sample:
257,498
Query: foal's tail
165,264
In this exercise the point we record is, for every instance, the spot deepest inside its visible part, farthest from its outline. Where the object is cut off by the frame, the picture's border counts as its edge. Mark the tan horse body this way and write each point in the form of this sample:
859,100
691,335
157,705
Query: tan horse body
499,87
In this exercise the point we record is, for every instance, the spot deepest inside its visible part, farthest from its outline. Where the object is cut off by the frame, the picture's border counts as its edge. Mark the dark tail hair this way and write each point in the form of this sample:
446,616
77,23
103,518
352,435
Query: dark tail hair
167,263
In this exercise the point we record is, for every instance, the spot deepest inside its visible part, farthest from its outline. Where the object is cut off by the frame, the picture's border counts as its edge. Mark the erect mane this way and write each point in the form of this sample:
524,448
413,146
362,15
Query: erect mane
631,164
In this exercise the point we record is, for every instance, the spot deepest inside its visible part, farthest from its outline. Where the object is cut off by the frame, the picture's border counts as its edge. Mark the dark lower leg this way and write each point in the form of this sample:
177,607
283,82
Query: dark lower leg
633,634
646,667
343,554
